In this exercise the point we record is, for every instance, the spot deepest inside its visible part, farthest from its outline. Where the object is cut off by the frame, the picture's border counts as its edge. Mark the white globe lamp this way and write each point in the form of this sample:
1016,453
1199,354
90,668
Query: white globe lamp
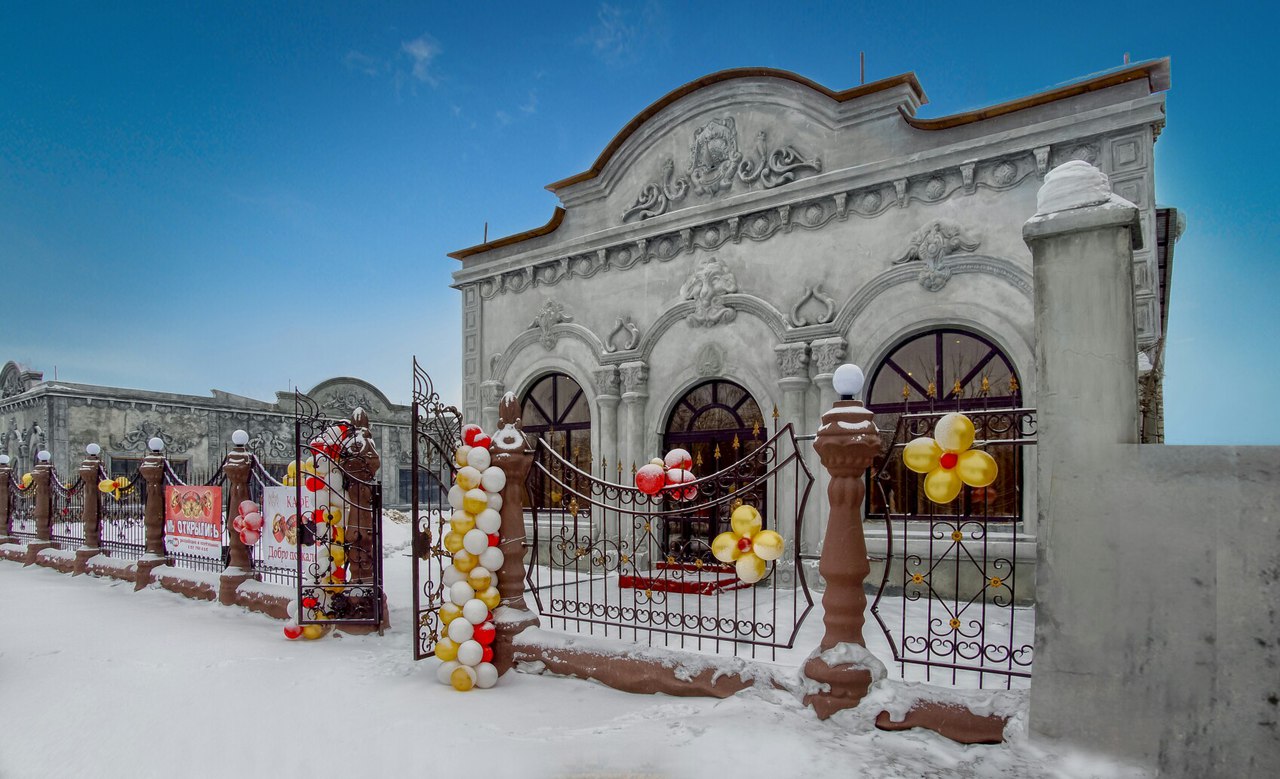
155,444
240,438
848,380
93,450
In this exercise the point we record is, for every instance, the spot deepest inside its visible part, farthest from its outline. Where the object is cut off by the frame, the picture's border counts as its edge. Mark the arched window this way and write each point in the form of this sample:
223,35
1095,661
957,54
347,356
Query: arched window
556,411
718,423
934,373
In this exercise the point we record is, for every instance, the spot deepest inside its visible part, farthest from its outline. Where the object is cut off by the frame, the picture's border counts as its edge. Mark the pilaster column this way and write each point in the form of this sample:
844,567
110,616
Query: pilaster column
635,393
491,393
793,363
608,386
826,354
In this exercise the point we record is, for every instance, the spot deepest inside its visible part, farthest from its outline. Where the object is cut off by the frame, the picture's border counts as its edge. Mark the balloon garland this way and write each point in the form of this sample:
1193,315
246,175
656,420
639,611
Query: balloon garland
947,460
668,473
473,538
321,476
747,546
248,522
114,487
25,482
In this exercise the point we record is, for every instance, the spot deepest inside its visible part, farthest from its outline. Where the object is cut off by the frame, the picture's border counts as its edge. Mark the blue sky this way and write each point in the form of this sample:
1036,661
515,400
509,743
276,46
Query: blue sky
250,196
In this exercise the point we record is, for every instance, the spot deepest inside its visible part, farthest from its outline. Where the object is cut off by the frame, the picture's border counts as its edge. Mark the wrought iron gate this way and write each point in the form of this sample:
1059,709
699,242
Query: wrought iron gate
340,532
948,599
66,520
436,431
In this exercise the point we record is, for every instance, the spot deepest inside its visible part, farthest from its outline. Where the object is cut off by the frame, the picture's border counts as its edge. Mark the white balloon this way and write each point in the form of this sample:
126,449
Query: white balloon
461,592
486,675
475,541
470,652
445,671
478,458
474,611
468,477
455,497
452,576
489,521
493,479
460,630
495,501
492,558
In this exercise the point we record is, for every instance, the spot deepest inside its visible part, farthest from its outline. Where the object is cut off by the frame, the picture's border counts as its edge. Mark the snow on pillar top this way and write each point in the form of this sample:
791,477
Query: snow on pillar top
1075,184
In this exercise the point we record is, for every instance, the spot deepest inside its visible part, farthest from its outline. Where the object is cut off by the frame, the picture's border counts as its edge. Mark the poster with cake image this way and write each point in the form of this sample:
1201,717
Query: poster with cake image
193,521
283,524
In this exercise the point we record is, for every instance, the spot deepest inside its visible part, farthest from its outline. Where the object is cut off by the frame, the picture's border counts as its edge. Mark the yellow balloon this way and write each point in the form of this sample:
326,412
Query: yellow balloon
337,535
480,583
942,485
107,485
491,598
464,561
746,520
977,468
292,470
26,480
921,455
750,568
462,678
767,545
453,541
449,612
447,649
312,632
468,479
460,456
725,547
954,432
474,501
461,522
338,554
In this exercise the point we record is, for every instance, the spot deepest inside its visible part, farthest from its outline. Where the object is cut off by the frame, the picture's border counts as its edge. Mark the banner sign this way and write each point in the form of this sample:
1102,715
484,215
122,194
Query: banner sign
193,521
282,526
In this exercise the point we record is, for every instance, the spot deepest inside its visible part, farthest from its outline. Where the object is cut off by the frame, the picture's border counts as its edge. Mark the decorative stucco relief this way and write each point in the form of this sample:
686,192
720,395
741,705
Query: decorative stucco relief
608,380
813,298
635,378
12,385
715,164
931,244
709,360
270,445
708,285
552,314
136,439
828,354
793,360
625,335
346,401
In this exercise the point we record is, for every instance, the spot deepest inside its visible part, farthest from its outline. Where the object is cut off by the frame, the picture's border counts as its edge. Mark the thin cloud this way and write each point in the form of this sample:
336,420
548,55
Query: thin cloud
363,63
422,50
611,38
503,118
531,105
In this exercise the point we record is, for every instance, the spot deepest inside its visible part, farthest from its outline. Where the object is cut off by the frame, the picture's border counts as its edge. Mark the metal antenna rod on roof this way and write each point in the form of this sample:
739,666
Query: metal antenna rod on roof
862,67
1126,58
486,233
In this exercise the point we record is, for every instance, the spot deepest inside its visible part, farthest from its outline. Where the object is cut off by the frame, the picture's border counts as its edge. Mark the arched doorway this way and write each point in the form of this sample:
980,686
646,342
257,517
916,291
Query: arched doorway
556,411
719,423
935,372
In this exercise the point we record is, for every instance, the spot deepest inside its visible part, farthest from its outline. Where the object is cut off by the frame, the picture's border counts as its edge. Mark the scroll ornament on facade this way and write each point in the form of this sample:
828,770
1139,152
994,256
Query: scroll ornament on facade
625,333
466,650
706,288
552,314
815,296
715,163
931,244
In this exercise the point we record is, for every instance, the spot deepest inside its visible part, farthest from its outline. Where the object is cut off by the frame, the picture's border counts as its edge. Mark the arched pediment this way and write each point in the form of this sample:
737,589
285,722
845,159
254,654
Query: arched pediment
343,394
15,379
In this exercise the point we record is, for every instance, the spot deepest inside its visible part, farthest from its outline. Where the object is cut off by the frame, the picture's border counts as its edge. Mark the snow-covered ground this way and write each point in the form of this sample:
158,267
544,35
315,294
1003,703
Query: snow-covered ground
96,680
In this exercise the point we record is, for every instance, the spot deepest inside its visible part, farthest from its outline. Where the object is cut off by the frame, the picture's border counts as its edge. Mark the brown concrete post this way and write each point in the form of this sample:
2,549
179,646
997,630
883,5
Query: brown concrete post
511,453
6,474
847,442
152,470
360,459
238,466
42,478
91,516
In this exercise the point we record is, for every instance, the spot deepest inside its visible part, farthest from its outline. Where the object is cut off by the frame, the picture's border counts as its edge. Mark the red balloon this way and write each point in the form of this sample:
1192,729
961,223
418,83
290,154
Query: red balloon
313,484
292,631
483,441
678,458
339,574
676,477
650,479
486,656
309,602
470,433
485,633
494,539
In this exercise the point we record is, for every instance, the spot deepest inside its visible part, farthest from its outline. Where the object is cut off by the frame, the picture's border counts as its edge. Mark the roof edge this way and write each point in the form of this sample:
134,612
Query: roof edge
498,243
1156,72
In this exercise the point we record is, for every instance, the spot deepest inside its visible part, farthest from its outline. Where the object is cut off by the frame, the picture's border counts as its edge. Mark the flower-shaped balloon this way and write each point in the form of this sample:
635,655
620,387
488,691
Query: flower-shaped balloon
747,546
948,461
114,487
25,481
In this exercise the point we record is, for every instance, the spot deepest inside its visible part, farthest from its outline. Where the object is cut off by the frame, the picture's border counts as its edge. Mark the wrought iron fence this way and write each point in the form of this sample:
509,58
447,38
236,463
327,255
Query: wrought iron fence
948,599
610,560
122,528
66,513
22,514
215,478
268,571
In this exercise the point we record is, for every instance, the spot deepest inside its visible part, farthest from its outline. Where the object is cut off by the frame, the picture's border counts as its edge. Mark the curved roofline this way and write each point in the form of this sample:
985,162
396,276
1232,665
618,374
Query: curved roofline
378,394
498,243
728,75
1156,72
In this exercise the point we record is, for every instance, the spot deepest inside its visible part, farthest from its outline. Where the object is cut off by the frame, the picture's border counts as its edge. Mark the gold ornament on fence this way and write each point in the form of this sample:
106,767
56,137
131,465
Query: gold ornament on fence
947,460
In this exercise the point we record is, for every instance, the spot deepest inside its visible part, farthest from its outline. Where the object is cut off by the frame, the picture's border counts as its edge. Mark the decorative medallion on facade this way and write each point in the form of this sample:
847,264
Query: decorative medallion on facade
707,287
814,308
136,440
715,163
552,314
931,244
625,335
709,361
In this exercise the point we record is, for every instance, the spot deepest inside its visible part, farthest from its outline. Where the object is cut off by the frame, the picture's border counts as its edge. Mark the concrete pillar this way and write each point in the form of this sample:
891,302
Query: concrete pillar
793,363
605,420
1082,239
511,453
91,516
635,394
491,393
826,354
152,470
42,478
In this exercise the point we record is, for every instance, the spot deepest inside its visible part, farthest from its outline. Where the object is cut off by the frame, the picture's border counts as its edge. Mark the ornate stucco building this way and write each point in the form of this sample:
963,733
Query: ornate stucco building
63,417
752,230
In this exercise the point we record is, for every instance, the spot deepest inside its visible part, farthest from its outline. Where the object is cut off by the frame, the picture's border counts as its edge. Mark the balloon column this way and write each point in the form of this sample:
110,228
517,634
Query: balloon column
321,476
668,473
248,523
747,546
466,648
948,461
114,487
